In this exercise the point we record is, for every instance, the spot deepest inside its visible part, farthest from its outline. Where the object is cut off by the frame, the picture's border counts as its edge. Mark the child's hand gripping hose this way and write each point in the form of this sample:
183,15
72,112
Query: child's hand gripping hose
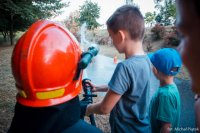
88,99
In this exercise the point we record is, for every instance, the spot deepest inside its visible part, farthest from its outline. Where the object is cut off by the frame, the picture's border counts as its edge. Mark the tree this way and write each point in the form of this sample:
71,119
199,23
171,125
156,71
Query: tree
149,18
129,2
72,23
4,27
89,12
20,14
158,32
159,18
167,12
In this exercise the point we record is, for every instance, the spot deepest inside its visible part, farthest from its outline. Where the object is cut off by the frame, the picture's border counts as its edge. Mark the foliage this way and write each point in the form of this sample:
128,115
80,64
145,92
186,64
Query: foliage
18,15
172,39
105,40
89,12
72,23
167,12
158,32
149,18
4,28
48,8
129,2
159,18
149,47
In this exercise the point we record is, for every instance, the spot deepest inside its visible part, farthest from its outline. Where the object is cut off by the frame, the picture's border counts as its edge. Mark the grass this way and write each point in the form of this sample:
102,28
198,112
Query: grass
110,51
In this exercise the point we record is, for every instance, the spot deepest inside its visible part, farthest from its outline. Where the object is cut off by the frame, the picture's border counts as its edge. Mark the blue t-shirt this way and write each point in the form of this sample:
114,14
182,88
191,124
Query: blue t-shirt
165,107
131,79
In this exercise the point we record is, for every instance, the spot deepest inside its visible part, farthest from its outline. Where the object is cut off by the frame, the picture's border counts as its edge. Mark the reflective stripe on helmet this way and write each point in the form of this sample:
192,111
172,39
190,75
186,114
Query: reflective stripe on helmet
50,94
22,93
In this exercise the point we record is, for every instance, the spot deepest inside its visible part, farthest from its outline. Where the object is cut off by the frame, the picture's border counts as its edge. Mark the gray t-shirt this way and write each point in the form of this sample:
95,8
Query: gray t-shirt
131,79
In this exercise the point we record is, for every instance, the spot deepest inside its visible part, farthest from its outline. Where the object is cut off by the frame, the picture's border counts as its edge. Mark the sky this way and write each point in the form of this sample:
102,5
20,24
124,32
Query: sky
107,7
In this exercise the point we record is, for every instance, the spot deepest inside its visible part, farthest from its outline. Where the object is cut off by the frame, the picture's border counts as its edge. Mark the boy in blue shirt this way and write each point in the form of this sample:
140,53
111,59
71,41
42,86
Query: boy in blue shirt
127,96
165,103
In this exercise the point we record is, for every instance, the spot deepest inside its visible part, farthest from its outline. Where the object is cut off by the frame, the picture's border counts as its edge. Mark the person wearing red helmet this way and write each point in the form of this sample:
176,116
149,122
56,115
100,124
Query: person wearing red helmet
188,24
44,64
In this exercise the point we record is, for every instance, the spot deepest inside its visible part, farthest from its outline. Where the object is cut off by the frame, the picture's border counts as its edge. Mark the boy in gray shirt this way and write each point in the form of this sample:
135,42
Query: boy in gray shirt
127,96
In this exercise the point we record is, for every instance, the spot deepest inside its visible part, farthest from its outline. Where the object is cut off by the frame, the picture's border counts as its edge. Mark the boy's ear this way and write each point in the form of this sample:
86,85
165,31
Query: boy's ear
122,35
155,71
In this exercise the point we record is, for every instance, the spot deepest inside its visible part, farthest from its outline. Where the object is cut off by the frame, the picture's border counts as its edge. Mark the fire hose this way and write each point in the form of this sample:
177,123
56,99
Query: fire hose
86,58
88,99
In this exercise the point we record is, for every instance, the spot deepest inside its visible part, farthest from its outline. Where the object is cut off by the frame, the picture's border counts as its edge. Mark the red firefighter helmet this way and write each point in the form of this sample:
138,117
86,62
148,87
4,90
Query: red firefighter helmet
44,63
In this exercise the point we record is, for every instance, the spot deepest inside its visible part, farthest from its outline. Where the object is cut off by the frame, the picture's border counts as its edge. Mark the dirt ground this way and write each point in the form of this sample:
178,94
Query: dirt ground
7,89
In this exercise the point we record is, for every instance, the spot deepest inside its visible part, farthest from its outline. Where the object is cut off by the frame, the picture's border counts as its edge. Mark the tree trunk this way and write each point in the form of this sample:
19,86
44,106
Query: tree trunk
5,39
4,35
11,29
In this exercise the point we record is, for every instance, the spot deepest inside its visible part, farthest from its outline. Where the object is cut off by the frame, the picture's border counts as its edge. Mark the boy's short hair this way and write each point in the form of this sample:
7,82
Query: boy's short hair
166,60
129,18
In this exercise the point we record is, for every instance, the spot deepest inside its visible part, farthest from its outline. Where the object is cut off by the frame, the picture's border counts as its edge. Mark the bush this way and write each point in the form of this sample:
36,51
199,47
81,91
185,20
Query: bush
104,40
172,39
72,25
158,32
149,47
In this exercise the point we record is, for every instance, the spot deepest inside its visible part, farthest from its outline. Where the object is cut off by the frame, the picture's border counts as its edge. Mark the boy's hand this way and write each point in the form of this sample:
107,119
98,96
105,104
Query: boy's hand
105,106
93,86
